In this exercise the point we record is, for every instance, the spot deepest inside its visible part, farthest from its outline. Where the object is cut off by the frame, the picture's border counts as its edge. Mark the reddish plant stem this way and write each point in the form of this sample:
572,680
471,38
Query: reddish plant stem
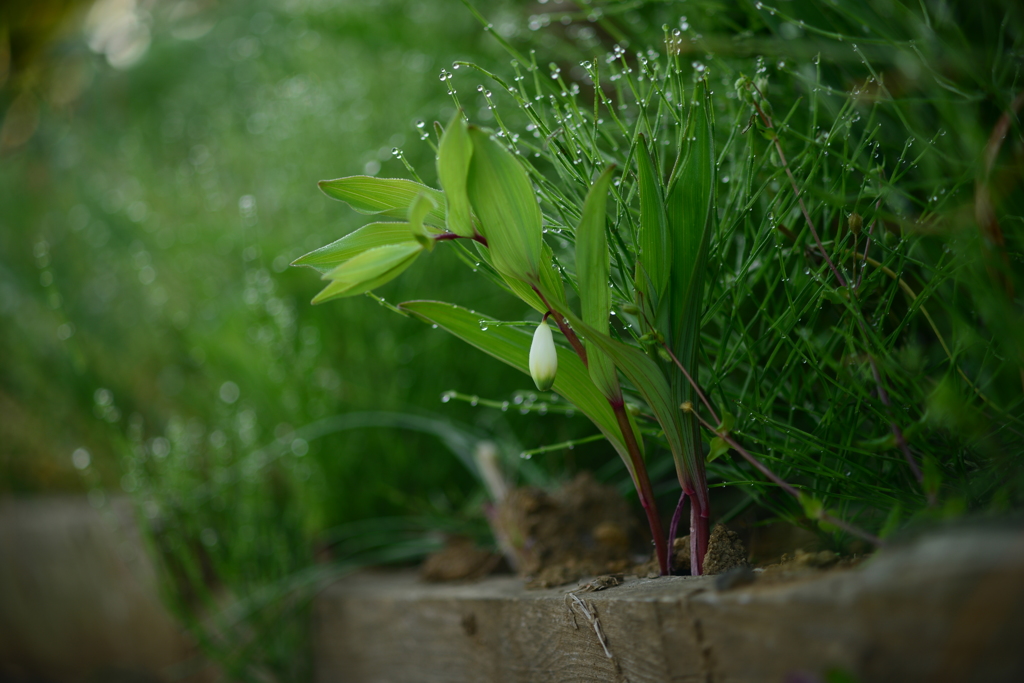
784,485
883,395
673,527
477,237
779,481
698,536
643,486
767,120
698,532
564,328
641,480
698,516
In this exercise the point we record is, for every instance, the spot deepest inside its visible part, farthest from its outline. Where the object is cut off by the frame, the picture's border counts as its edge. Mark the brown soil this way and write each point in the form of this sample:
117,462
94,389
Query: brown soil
581,530
585,529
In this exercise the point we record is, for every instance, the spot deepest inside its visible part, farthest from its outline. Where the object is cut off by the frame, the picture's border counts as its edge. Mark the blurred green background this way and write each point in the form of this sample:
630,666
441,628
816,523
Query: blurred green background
159,175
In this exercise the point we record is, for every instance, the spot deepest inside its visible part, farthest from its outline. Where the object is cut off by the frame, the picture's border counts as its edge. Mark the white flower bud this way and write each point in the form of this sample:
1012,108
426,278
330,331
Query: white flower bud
543,358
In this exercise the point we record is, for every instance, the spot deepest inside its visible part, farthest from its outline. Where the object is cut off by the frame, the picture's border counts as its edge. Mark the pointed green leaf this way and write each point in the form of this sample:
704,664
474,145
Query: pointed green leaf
690,209
502,198
511,345
368,270
592,260
356,242
654,245
691,216
453,157
418,210
592,266
390,197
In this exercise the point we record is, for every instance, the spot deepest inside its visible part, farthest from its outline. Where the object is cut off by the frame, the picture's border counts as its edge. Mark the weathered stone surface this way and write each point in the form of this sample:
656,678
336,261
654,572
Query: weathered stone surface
945,608
78,600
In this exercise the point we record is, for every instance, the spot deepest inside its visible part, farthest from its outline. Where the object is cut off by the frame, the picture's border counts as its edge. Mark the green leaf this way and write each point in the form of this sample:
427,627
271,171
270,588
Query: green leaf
390,197
453,157
511,345
690,214
654,257
719,447
369,270
592,266
356,242
690,211
418,210
502,197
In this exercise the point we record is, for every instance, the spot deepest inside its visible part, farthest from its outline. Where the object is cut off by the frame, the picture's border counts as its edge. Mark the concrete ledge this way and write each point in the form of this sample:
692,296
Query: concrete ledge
946,608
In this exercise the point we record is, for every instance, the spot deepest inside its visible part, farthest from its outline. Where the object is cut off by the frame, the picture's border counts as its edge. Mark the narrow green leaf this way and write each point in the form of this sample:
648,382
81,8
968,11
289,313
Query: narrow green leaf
390,197
368,270
592,260
356,242
502,198
511,345
654,245
690,210
592,266
690,213
453,157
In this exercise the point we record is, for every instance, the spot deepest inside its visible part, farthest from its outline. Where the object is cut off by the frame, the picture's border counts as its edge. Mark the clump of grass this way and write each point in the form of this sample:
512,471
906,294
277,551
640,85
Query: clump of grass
833,340
851,288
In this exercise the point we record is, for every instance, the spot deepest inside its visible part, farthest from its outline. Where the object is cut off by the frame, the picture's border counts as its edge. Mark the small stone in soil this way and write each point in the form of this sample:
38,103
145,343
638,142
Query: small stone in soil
725,551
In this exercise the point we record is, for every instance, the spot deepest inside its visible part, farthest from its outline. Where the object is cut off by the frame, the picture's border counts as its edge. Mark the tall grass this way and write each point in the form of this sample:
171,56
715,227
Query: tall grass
852,326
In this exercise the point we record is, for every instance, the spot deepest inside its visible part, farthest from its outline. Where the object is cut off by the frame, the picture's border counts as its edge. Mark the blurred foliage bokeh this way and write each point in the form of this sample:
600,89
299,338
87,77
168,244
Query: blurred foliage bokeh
156,185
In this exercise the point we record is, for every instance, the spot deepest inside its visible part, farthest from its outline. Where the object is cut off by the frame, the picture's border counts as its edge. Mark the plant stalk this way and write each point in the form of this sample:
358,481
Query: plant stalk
673,527
699,535
643,486
641,480
783,484
477,237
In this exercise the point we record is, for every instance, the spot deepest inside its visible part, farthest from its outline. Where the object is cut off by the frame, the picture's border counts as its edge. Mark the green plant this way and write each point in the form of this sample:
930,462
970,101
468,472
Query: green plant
488,198
776,297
